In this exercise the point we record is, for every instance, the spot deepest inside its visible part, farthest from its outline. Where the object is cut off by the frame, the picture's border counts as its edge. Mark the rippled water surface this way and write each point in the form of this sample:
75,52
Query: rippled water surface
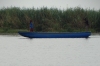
20,51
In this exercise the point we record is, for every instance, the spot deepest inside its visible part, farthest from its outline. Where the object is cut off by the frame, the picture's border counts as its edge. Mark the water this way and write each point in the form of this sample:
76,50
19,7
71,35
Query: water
20,51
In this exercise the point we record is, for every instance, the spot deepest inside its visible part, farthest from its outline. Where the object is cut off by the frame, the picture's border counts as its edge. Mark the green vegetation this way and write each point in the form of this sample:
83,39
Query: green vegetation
49,20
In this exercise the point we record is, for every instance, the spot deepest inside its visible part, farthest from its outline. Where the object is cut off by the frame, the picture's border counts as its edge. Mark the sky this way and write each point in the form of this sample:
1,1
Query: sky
60,4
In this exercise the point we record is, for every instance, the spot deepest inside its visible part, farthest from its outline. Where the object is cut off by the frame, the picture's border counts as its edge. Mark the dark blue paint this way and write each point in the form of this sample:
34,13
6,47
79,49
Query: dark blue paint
55,35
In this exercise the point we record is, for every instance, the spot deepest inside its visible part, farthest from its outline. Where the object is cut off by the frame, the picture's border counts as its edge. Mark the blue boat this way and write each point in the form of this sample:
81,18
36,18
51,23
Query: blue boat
55,34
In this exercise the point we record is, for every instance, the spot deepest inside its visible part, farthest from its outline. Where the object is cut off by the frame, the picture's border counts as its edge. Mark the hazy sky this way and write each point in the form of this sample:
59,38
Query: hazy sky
61,4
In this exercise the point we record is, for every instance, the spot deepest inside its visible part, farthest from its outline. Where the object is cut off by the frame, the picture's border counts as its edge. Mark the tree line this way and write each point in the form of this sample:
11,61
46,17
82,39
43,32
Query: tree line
50,19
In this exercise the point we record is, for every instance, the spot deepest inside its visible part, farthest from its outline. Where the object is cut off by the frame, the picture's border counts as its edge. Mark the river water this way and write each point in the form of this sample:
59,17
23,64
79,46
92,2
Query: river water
16,50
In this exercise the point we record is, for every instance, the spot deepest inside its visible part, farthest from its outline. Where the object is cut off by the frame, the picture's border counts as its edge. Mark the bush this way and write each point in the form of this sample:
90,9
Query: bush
49,19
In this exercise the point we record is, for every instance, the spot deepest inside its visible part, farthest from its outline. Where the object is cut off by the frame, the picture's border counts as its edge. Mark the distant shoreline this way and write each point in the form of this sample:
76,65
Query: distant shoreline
49,20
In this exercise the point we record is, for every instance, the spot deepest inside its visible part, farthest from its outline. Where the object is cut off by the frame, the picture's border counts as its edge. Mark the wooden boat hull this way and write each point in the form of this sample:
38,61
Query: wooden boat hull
55,35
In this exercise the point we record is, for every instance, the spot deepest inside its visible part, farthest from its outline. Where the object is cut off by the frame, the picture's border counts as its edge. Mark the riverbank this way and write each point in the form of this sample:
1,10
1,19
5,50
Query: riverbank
10,31
15,32
53,19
